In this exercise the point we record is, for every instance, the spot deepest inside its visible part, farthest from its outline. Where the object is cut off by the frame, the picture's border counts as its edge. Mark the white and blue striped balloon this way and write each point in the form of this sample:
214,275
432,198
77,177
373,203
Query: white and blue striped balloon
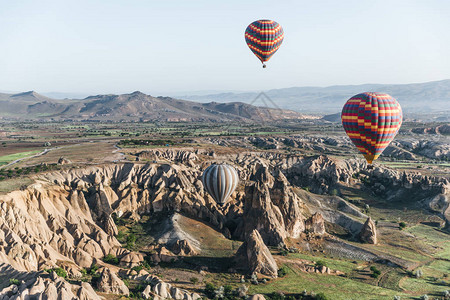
220,181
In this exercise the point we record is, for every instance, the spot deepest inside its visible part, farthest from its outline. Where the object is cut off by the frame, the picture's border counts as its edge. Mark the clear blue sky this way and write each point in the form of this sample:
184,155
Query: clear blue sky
171,46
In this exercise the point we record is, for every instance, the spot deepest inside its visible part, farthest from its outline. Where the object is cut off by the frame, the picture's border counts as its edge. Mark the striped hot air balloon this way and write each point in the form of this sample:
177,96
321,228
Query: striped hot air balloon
264,38
371,120
220,181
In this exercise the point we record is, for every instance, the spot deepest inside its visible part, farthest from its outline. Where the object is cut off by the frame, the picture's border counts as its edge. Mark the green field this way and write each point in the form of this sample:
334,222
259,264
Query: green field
6,159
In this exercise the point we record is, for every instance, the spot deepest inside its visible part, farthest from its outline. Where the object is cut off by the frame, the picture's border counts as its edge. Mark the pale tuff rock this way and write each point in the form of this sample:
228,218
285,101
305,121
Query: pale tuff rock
255,255
162,254
175,155
316,224
272,207
49,288
368,232
257,297
110,283
158,289
131,259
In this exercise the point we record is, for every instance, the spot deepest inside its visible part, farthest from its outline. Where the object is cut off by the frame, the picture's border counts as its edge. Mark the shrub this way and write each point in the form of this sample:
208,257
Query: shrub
282,272
137,268
321,296
320,263
276,296
402,225
111,259
131,240
194,280
209,290
60,272
375,272
93,269
228,289
14,281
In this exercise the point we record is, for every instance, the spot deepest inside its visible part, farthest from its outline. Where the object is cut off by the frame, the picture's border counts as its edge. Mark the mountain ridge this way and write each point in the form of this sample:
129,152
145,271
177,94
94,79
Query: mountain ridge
415,97
133,106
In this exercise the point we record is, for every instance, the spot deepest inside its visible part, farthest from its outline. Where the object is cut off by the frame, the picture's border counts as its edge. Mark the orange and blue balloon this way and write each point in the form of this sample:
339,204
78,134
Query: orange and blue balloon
371,120
264,38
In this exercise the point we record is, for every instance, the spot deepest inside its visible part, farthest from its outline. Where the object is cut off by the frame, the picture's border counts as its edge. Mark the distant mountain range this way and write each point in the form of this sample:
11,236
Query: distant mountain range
133,107
424,101
433,97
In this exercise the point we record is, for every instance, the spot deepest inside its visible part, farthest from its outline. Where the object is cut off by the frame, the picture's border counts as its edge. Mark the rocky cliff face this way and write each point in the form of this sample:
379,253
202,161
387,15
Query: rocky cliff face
368,232
256,257
271,207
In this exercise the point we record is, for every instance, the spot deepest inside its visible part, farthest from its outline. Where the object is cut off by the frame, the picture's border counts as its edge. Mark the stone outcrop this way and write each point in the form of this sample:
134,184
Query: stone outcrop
63,161
131,260
368,232
316,224
52,287
256,257
110,283
175,155
158,289
272,207
183,248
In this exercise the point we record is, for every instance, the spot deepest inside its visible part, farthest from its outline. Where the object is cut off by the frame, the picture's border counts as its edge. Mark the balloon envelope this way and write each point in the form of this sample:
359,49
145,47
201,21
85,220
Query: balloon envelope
371,120
220,181
264,38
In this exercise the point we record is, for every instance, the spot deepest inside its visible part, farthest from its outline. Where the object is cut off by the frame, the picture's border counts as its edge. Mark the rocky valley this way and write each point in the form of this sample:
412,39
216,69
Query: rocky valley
74,233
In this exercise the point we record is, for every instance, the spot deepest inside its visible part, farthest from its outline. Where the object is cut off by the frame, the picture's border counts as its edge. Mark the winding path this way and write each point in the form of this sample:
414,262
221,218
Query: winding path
27,157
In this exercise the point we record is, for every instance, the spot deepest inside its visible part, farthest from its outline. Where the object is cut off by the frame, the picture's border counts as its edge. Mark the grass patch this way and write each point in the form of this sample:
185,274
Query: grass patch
334,287
6,159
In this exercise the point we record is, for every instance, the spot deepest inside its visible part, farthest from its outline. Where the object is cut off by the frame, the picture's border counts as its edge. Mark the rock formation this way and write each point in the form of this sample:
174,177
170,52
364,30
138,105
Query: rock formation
64,161
53,287
110,283
183,248
255,255
316,224
368,232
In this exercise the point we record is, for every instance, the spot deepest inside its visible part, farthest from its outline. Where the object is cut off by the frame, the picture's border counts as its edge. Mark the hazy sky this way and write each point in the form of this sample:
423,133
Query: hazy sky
171,46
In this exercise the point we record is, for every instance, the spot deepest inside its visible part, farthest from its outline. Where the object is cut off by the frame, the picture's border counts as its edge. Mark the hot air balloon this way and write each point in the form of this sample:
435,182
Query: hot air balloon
371,120
264,37
220,181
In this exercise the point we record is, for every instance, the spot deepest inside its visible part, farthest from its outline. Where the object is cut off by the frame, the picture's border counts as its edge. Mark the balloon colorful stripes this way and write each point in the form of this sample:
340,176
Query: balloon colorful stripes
220,181
371,120
264,38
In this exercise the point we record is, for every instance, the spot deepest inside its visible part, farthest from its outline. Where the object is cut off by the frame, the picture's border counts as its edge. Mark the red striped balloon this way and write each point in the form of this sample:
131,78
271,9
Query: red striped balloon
371,120
264,38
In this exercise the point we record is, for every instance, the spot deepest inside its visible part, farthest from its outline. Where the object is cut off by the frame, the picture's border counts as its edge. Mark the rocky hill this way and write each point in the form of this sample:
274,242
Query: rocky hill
134,107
